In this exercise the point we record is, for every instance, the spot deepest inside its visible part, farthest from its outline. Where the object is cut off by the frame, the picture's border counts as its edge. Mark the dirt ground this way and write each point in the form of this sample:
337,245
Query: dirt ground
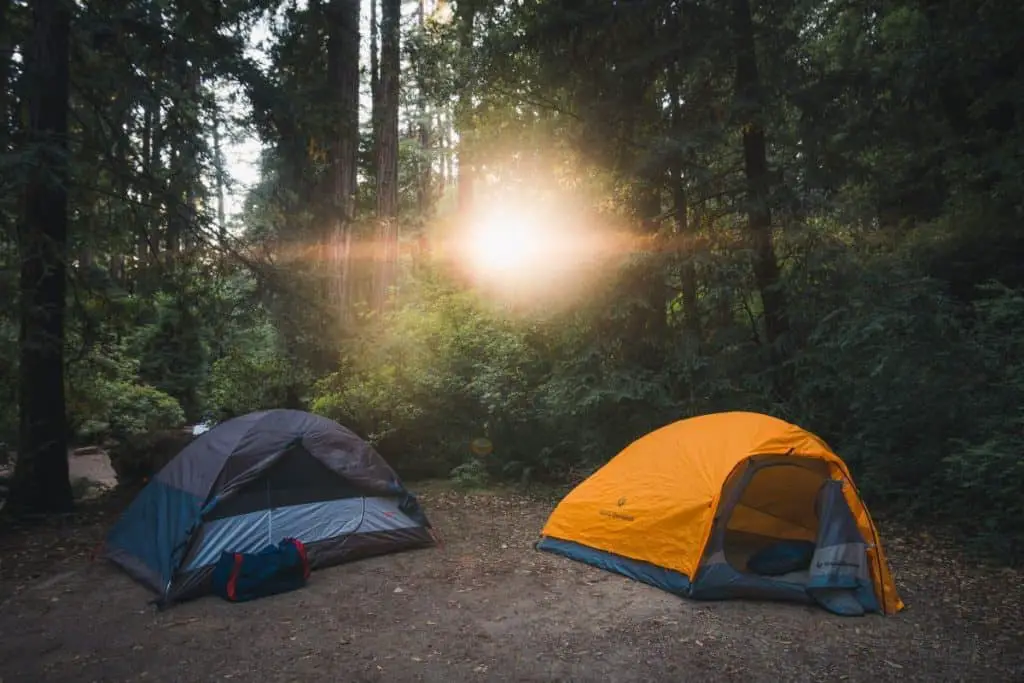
487,607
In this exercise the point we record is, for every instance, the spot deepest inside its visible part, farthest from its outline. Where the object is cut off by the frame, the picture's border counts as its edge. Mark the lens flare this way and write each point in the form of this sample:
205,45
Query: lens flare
503,243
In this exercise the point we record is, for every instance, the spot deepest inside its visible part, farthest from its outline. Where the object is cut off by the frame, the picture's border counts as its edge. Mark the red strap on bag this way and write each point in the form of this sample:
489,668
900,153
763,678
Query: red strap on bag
233,581
301,547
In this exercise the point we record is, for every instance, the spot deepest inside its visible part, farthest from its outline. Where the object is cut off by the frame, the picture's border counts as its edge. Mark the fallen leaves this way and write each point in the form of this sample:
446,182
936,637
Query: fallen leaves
489,599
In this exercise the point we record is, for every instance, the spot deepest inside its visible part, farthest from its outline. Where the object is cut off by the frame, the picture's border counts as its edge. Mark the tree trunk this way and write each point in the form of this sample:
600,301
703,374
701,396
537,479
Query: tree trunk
387,144
6,57
464,111
687,270
41,479
192,175
376,106
759,218
6,118
649,323
446,173
218,172
387,149
147,242
423,193
343,73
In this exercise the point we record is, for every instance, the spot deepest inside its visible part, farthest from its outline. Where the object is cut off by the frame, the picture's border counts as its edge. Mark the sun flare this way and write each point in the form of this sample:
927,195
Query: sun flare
530,249
503,242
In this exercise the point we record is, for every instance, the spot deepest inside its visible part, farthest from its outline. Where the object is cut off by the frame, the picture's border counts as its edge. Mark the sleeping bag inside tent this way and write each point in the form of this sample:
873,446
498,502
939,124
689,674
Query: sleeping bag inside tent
730,505
253,481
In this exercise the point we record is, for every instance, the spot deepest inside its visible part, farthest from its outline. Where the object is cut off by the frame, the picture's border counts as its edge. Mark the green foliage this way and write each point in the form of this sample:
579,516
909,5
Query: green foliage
138,457
137,409
470,474
895,184
106,400
173,353
920,399
443,370
244,381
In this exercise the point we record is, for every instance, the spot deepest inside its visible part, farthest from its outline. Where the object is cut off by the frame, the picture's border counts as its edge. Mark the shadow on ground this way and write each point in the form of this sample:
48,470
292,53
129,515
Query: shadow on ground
485,606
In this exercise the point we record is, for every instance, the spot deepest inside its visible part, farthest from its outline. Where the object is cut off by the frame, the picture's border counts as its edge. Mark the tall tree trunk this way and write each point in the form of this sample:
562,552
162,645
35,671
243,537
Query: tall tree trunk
387,148
6,119
192,175
173,205
218,174
147,247
423,187
445,162
465,15
649,323
766,267
6,58
343,73
387,144
687,270
376,106
122,134
41,478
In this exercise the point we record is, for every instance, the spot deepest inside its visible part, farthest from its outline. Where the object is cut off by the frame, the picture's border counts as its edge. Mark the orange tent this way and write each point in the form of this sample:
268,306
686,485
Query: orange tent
726,505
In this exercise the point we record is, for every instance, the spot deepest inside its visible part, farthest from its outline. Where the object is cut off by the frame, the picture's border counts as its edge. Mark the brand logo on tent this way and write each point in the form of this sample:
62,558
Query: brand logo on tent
622,501
822,563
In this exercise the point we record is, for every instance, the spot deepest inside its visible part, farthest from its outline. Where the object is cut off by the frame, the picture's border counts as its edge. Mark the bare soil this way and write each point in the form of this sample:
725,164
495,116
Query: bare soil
486,606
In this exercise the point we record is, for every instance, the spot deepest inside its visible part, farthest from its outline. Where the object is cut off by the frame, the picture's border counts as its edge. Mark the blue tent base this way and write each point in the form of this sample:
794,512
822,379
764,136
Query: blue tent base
253,480
659,577
717,582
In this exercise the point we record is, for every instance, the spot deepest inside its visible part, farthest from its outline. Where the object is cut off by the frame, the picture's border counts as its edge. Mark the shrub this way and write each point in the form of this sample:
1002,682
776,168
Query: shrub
105,401
244,381
137,457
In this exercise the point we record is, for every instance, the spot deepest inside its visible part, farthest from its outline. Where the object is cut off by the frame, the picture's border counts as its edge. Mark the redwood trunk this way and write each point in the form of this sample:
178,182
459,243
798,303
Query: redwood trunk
759,218
41,477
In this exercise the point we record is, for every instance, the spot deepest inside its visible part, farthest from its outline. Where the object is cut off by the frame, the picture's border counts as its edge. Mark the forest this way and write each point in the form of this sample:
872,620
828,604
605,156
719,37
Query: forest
502,240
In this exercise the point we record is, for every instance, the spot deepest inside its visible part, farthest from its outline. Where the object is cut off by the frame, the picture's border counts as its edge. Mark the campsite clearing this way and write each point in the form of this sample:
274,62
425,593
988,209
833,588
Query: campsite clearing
487,606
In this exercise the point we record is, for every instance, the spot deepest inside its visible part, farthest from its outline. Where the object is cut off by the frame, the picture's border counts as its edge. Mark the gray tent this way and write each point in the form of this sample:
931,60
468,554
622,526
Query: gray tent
253,481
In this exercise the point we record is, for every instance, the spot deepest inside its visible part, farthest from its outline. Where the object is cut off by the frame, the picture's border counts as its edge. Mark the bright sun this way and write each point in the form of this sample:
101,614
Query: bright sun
529,248
502,241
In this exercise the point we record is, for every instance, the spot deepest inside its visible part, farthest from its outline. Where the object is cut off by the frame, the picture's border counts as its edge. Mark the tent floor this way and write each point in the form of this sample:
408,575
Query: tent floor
740,546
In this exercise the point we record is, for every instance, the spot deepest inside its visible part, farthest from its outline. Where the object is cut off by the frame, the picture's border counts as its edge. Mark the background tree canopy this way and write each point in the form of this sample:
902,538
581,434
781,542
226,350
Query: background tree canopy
549,225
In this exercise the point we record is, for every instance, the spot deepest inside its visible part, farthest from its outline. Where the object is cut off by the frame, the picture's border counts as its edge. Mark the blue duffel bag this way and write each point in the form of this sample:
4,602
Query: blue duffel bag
275,569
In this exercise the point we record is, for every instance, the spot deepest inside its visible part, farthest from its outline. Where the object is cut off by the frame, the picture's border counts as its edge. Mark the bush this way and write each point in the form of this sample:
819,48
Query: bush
441,371
246,381
137,409
920,397
105,401
137,457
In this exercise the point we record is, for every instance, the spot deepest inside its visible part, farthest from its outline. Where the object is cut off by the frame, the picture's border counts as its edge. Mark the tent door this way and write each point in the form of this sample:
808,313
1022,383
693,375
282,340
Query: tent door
840,579
769,499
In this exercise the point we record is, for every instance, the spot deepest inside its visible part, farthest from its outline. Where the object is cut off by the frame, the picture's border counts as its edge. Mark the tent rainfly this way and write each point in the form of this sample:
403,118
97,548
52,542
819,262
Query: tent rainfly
730,505
251,482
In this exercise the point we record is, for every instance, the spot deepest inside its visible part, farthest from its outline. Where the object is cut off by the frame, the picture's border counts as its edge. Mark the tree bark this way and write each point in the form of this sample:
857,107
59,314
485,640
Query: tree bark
6,57
387,150
424,197
687,271
465,15
41,479
343,73
387,144
219,174
755,158
376,106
